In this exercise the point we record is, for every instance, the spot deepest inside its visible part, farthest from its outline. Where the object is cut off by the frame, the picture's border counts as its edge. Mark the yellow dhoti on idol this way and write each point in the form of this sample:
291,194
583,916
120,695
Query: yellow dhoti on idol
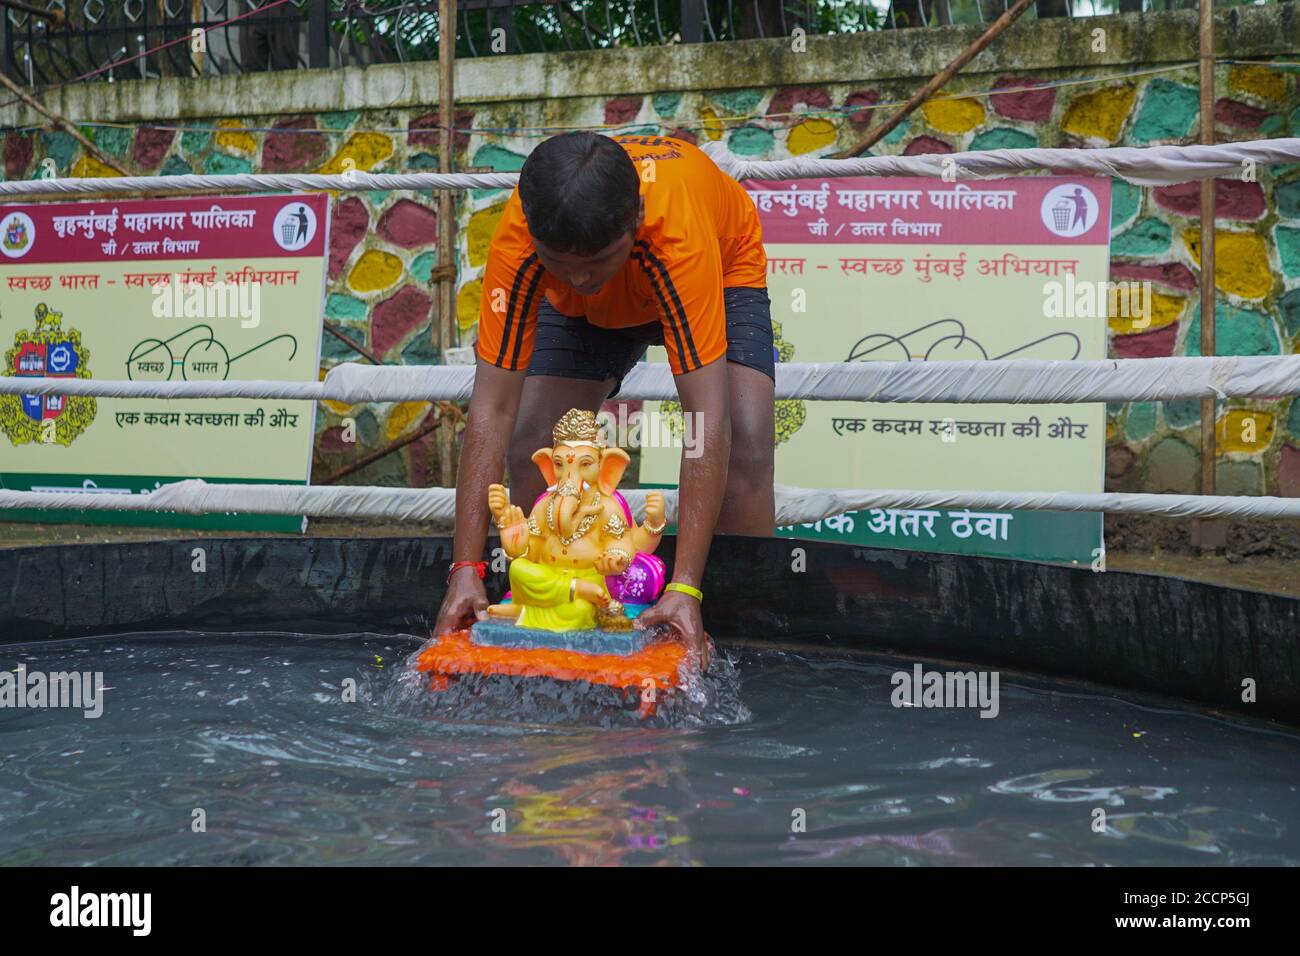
543,593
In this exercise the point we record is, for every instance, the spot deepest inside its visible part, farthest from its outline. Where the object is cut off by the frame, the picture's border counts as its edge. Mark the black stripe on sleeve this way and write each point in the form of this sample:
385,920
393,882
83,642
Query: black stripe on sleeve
668,311
513,328
680,311
523,317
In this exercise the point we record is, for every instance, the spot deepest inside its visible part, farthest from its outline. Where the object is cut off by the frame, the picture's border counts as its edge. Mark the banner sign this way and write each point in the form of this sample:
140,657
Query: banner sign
921,270
195,289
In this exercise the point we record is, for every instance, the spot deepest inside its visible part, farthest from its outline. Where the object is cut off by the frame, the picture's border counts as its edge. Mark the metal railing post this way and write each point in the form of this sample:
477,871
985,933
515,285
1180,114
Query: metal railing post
692,21
7,65
318,33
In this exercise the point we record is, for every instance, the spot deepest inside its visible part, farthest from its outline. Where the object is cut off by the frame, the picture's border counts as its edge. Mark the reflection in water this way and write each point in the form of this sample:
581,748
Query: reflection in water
1045,786
592,821
935,846
802,762
1203,829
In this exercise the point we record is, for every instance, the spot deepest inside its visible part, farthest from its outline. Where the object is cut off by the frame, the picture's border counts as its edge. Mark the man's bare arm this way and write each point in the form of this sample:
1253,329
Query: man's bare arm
703,478
492,411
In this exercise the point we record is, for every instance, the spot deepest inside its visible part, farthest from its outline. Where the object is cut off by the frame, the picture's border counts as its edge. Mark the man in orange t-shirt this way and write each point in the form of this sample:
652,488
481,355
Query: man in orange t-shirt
606,247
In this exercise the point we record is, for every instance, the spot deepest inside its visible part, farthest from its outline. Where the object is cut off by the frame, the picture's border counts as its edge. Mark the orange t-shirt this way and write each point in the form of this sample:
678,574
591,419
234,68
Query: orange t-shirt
700,234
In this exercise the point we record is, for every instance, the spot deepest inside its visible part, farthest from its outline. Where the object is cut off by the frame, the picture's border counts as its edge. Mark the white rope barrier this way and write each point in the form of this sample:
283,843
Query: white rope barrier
793,505
1004,381
808,505
1031,381
350,382
1146,166
1143,166
196,497
259,182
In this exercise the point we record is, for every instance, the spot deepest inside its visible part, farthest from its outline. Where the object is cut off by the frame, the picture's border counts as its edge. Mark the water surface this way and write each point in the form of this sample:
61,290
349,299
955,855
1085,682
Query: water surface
250,735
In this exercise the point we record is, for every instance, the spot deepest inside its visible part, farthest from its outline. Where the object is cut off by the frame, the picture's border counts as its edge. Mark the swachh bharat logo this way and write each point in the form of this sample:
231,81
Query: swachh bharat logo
48,352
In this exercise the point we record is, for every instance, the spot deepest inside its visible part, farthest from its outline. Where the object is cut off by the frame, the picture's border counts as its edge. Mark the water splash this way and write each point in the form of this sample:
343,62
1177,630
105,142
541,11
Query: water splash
708,701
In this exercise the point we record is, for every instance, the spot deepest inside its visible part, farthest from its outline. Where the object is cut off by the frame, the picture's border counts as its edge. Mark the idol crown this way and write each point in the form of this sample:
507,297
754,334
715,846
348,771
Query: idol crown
580,427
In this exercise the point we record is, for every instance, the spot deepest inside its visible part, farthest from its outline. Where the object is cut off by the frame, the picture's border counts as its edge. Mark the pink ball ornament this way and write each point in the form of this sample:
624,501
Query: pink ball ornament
641,583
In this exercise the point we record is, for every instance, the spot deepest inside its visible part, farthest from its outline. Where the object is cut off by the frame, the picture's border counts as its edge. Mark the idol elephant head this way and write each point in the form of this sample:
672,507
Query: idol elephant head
577,465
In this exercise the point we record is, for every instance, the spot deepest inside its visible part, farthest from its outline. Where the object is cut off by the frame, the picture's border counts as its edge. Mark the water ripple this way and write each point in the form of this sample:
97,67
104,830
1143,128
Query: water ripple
252,749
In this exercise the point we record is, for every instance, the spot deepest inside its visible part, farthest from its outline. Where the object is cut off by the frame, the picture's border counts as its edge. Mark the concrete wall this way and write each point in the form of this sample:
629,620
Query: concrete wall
765,100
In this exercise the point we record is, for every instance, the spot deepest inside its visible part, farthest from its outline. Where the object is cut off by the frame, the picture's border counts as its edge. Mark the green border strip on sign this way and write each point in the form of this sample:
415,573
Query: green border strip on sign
1050,536
291,524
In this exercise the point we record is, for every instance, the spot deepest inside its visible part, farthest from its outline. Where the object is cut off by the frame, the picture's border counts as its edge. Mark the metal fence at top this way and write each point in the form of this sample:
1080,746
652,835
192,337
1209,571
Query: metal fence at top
60,41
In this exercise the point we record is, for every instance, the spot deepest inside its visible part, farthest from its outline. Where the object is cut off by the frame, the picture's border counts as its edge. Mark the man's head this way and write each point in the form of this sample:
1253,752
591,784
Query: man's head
582,199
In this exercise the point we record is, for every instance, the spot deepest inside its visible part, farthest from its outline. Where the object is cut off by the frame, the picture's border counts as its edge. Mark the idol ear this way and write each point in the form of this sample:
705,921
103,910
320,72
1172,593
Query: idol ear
613,462
542,459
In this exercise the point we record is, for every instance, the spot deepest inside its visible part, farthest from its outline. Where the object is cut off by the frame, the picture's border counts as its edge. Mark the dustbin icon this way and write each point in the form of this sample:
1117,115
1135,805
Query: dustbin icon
1062,213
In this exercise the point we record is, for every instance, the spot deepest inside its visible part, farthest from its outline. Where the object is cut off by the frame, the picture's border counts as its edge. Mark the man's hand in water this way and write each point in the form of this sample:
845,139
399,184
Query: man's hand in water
465,603
681,612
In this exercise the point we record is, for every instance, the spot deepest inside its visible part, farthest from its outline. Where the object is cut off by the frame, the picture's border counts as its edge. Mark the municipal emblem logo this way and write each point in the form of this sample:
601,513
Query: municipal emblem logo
48,352
17,233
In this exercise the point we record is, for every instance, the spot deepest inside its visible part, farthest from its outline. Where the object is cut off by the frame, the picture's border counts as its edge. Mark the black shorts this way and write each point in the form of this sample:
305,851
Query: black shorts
571,347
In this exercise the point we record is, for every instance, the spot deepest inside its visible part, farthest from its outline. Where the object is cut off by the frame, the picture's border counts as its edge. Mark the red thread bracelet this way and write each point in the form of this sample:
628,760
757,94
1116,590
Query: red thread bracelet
478,566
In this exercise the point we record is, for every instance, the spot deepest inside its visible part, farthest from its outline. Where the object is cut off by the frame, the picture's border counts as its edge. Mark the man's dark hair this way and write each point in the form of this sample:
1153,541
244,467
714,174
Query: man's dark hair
580,192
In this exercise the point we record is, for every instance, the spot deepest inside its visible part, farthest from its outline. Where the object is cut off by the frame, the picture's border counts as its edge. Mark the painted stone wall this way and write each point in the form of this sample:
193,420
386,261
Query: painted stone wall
382,247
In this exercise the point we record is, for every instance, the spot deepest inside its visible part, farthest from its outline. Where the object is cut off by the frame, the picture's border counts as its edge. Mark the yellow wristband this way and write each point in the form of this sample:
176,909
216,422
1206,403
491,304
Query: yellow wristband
686,589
